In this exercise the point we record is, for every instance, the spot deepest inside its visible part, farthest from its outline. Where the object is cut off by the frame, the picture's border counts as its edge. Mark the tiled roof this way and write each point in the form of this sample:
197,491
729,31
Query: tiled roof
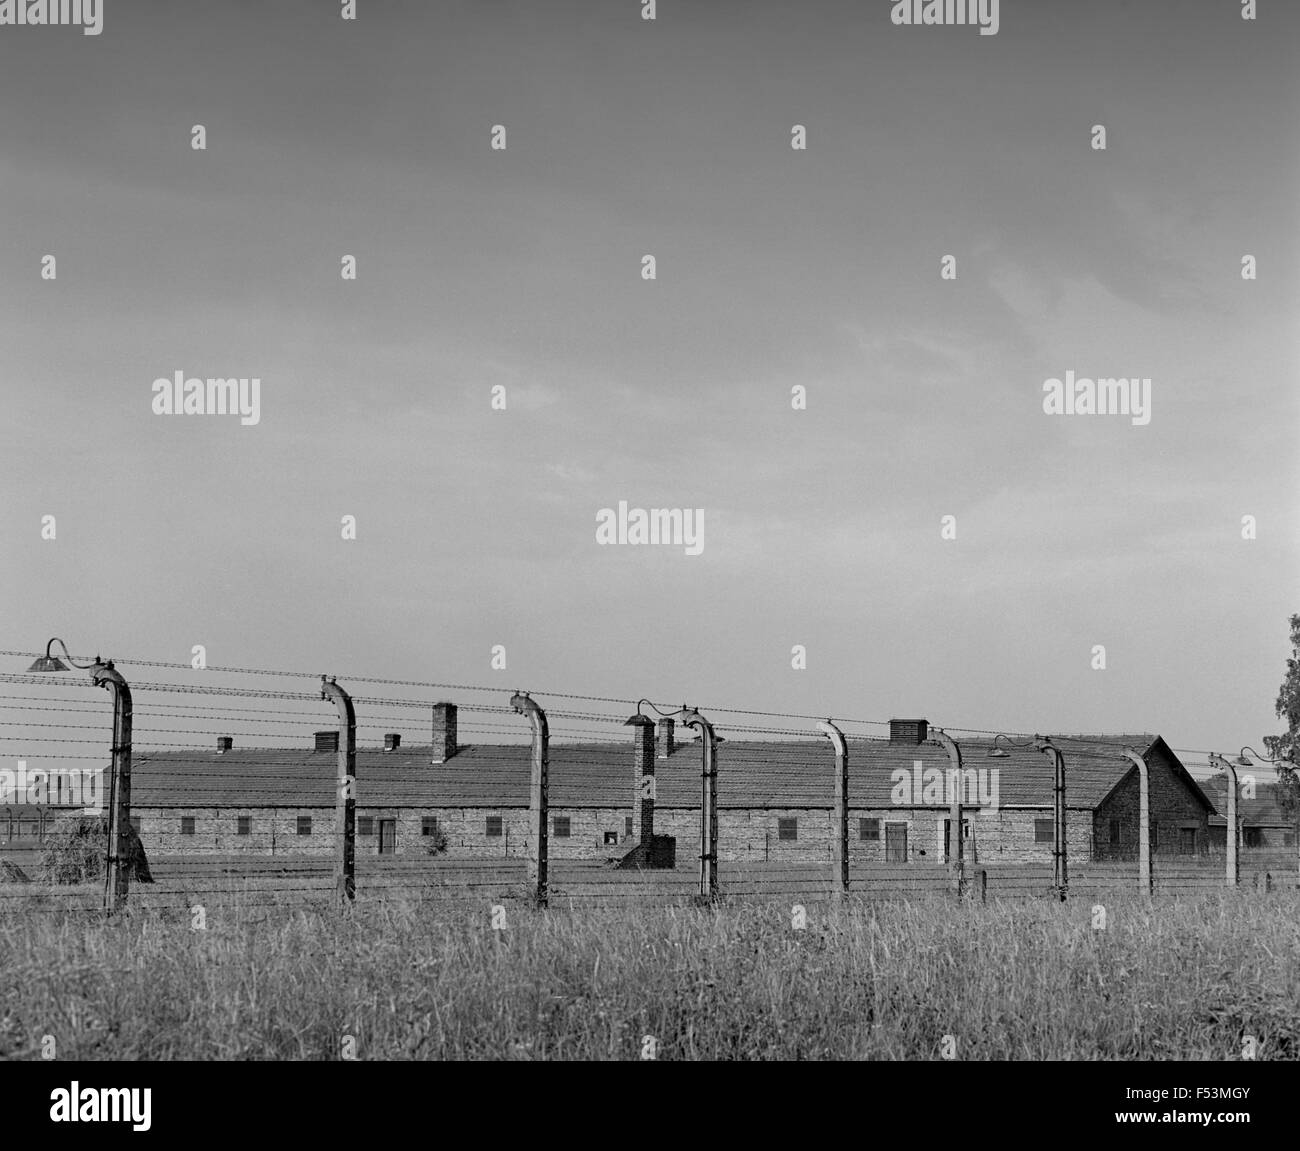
794,773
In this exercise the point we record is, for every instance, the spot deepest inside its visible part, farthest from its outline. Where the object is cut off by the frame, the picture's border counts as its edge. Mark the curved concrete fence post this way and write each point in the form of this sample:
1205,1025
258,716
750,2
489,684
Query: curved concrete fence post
538,796
708,803
956,848
1144,820
1060,870
117,881
1231,832
1234,831
839,811
345,795
1243,761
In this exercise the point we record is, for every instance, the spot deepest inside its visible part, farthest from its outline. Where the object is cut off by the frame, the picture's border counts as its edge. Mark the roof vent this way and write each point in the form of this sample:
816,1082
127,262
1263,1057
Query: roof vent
909,731
327,741
392,741
224,743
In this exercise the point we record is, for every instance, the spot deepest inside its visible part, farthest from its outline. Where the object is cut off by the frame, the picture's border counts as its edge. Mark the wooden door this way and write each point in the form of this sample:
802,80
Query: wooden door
895,843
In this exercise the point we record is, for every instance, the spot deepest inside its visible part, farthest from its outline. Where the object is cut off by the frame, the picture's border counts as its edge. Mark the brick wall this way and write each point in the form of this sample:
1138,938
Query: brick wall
274,831
1003,836
1172,807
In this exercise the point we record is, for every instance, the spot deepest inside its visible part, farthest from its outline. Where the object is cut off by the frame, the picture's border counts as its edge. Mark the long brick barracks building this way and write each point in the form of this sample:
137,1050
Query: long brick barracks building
774,798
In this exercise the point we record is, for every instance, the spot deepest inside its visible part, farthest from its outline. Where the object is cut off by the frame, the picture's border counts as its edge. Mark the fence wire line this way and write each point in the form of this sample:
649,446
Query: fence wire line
44,681
456,687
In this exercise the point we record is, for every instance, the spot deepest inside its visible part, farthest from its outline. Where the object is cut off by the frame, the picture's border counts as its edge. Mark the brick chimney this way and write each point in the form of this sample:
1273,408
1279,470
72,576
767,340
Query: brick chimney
392,741
224,743
643,764
444,732
909,732
327,741
667,745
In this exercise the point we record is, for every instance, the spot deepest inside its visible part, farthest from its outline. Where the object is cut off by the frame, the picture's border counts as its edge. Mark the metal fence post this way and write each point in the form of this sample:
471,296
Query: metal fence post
345,799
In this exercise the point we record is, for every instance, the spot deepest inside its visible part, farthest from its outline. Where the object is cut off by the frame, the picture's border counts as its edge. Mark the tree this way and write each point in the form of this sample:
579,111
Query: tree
1284,749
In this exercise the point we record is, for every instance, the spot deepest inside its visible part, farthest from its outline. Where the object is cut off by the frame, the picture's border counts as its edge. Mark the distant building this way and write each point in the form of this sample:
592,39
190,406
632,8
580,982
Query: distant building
1263,823
774,798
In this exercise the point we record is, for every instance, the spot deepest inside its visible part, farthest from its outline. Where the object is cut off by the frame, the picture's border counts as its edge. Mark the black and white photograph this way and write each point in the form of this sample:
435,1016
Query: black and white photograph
649,531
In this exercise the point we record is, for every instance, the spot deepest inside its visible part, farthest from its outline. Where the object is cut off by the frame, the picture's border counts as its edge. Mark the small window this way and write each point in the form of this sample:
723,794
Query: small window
1252,837
1187,841
1114,830
135,824
366,825
245,825
1288,839
611,837
1155,836
787,829
869,830
1044,831
428,825
560,827
304,825
493,828
627,825
187,825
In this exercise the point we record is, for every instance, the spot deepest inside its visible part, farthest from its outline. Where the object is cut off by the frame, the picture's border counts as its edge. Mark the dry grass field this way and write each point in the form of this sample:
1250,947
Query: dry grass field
430,978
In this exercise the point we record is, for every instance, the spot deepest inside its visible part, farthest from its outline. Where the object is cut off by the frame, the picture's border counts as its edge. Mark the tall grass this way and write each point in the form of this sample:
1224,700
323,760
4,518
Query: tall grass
1179,979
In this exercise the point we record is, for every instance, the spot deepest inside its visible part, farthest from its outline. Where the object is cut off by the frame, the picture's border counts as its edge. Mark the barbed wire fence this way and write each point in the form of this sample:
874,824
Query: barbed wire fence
253,820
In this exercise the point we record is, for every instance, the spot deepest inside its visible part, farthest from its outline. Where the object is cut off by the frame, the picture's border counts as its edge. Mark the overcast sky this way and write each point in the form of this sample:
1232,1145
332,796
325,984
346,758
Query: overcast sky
775,268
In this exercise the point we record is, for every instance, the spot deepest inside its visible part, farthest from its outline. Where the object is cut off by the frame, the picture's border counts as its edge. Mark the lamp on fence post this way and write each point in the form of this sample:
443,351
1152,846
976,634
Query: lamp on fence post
345,799
538,798
839,811
1233,831
117,879
956,865
1144,820
709,741
1059,869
